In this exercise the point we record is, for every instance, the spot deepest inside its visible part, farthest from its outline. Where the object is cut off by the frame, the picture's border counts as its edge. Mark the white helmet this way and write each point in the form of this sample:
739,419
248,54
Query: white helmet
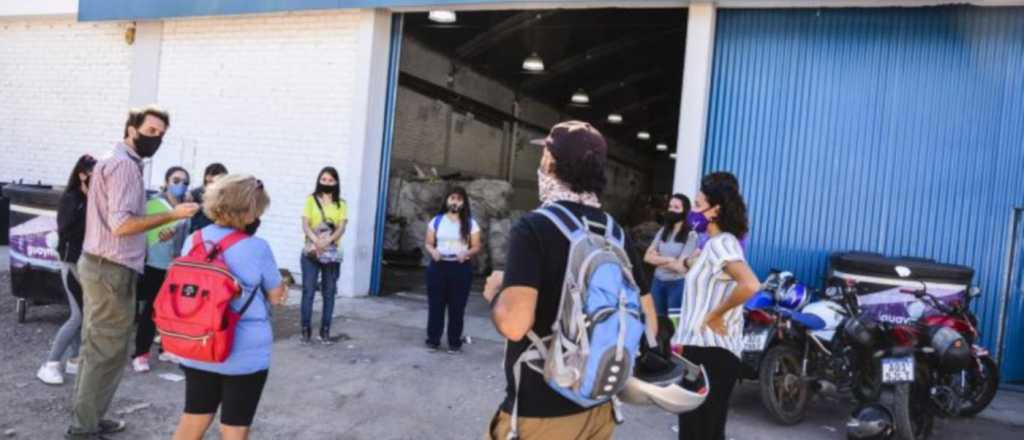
681,388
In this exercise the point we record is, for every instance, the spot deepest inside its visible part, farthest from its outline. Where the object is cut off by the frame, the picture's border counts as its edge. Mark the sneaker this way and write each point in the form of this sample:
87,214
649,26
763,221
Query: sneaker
324,337
85,436
305,336
454,350
110,426
49,373
141,363
434,348
168,357
71,367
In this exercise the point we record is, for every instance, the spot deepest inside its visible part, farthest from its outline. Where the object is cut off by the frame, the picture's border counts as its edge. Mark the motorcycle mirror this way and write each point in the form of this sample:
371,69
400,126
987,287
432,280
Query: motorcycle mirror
903,271
974,292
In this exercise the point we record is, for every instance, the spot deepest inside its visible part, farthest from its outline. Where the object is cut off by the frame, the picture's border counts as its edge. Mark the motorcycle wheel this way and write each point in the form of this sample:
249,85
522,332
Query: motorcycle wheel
867,383
784,393
982,385
912,419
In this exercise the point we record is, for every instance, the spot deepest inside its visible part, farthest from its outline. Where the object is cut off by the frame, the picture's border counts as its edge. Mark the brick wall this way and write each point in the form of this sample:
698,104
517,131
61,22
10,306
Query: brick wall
265,95
63,92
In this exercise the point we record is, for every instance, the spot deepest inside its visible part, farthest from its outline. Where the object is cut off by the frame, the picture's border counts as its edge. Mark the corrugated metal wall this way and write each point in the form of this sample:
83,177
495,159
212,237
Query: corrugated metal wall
891,130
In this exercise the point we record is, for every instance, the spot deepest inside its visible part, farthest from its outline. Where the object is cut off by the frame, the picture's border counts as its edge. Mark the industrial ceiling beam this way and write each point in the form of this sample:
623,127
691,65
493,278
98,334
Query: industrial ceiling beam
614,86
573,63
498,33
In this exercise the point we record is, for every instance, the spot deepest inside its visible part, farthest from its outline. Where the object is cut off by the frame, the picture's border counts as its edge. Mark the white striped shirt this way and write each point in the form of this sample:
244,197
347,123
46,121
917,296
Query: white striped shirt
707,286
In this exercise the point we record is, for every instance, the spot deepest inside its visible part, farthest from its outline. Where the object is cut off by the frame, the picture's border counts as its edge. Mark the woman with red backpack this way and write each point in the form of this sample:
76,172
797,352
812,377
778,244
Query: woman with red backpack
235,203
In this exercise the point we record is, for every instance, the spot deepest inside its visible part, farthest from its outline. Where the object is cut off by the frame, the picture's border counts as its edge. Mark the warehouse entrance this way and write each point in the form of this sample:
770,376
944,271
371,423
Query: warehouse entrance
473,88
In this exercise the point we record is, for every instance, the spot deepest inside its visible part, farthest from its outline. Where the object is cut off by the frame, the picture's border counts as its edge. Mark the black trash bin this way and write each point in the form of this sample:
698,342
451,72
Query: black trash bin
5,213
35,264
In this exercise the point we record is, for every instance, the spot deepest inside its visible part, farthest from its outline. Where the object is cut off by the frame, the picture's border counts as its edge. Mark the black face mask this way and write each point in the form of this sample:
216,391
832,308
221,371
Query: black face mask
252,227
325,189
146,146
454,207
672,218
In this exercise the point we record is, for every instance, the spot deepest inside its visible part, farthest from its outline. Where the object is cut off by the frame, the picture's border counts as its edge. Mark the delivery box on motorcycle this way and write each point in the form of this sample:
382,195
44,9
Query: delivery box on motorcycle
887,297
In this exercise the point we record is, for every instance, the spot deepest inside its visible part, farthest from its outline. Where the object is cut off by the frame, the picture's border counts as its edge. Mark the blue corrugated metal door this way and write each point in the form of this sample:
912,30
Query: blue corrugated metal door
898,131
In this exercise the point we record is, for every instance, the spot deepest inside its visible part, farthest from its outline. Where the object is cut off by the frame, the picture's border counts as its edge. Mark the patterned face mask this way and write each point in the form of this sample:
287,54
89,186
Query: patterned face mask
552,190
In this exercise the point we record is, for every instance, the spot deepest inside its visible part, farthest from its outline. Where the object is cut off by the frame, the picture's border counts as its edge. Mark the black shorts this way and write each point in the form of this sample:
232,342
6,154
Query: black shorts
237,396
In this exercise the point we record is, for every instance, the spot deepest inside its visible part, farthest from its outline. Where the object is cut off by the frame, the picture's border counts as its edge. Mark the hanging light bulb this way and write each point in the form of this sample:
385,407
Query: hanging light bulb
533,63
643,135
662,147
580,97
442,16
615,118
672,156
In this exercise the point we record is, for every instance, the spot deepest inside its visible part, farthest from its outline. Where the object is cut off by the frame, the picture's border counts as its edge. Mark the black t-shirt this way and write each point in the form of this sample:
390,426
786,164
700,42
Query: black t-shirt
537,257
71,224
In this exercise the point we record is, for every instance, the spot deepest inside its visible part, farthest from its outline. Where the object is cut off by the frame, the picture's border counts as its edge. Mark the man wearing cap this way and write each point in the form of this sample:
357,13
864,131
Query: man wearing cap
526,296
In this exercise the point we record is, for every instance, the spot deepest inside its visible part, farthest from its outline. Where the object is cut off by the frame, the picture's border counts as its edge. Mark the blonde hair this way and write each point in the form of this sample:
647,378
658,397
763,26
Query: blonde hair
233,199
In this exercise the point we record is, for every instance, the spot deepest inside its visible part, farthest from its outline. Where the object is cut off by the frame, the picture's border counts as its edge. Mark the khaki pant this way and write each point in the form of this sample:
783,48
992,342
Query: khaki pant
108,297
595,424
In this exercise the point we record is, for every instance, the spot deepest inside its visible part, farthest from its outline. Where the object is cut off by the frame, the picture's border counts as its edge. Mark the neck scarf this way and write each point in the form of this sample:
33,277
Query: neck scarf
553,190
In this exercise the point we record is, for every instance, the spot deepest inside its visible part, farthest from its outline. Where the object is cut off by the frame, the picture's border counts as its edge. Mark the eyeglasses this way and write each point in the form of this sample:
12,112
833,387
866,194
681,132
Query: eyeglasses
259,184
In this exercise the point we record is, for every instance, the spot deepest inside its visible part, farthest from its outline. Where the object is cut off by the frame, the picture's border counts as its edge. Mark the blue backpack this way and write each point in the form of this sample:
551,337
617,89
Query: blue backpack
596,335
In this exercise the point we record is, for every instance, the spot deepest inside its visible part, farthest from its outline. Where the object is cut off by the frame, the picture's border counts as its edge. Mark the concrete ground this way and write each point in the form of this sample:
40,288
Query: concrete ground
381,384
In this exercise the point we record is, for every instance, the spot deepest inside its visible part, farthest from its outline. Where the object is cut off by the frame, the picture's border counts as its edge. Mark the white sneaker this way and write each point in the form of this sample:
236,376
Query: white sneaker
141,364
71,367
168,357
49,373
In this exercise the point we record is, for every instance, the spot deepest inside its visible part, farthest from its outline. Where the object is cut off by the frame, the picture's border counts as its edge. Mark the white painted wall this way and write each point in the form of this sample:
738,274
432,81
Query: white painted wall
700,42
279,97
63,93
38,8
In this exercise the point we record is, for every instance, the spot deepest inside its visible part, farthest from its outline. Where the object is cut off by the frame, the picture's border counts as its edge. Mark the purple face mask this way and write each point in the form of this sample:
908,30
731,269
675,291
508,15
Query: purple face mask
697,222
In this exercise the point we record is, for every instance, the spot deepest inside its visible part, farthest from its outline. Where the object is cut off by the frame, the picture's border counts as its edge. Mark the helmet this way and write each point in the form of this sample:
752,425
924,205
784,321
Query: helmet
870,422
674,384
860,331
794,296
953,351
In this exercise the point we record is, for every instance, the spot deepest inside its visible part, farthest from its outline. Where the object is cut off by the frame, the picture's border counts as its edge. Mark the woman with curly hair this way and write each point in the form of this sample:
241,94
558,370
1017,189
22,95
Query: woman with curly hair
710,329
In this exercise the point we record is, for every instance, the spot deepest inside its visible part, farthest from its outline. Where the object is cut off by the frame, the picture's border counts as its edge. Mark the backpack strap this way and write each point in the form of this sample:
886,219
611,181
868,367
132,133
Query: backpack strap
437,222
613,232
563,219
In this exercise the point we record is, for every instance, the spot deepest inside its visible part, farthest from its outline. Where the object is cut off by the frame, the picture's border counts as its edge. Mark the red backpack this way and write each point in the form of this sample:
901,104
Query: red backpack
193,311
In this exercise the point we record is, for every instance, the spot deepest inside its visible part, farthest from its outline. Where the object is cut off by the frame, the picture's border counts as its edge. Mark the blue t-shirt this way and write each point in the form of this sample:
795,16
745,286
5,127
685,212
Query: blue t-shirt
252,262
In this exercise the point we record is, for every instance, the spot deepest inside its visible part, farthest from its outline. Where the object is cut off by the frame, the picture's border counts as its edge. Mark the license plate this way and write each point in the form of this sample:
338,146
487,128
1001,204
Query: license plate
898,370
755,341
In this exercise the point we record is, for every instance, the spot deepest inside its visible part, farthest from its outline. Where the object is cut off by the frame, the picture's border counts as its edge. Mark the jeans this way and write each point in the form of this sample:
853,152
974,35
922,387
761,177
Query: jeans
108,297
668,296
448,284
69,336
325,277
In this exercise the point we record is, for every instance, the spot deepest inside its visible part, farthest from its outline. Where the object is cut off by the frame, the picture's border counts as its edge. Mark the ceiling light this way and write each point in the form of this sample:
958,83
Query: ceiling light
643,135
533,63
662,147
442,16
672,155
615,118
580,97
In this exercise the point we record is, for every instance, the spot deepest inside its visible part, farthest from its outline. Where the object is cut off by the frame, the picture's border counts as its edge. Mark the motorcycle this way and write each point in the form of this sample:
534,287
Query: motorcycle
760,315
973,387
820,348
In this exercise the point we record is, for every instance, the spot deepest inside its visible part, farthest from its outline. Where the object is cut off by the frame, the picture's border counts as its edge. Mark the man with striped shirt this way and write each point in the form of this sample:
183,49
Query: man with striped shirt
113,256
